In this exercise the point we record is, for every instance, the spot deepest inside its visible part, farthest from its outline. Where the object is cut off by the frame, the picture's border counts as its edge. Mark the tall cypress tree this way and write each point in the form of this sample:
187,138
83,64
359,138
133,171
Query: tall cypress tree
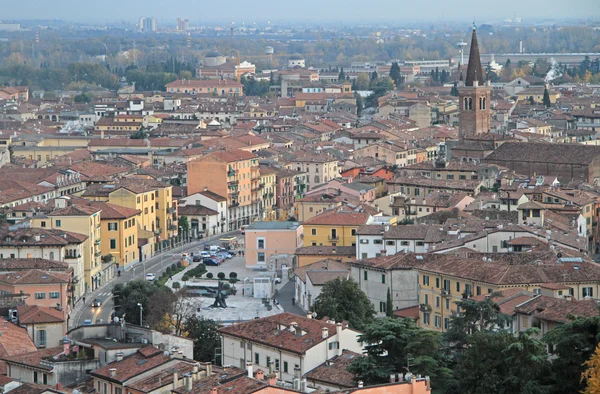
342,75
546,99
395,74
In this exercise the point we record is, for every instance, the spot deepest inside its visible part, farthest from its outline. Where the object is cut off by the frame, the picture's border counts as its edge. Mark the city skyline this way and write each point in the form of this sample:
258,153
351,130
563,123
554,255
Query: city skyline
262,11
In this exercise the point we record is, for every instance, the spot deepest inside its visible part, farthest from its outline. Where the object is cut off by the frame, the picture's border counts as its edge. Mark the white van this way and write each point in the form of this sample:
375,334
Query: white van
214,248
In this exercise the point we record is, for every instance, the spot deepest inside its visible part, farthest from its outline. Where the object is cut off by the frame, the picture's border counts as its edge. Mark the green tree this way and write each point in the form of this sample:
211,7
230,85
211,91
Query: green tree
392,344
374,76
183,223
342,75
342,299
454,90
573,343
473,317
141,134
206,338
389,307
127,297
395,74
546,99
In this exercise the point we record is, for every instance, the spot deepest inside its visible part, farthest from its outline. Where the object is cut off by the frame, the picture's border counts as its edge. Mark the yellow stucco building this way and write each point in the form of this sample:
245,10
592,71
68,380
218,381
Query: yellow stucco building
82,219
334,228
154,200
119,233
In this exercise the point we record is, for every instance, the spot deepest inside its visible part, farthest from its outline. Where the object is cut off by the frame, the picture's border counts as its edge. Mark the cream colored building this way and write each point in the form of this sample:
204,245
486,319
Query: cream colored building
81,219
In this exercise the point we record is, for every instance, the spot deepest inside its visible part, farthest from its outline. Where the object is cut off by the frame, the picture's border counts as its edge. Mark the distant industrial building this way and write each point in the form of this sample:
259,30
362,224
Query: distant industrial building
183,24
10,26
147,24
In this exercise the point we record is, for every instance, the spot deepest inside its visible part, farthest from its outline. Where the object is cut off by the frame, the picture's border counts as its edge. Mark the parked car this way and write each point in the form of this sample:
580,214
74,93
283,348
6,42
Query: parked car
197,258
204,254
209,261
150,277
96,302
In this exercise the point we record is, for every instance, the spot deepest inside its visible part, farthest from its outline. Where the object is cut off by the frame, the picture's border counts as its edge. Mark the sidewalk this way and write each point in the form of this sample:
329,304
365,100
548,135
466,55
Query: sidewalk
128,275
285,295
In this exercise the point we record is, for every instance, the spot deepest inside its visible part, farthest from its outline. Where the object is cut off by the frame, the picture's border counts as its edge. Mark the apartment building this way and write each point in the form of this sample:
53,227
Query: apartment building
119,233
85,220
334,228
319,167
49,244
268,182
158,211
209,202
290,186
301,345
234,174
264,240
445,280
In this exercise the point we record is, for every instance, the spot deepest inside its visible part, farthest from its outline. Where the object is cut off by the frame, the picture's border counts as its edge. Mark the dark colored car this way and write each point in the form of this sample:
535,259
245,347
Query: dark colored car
197,258
210,262
96,302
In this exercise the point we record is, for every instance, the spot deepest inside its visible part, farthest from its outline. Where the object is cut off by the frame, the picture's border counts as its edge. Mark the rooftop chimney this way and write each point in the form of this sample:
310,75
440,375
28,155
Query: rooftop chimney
175,379
324,332
113,372
208,369
360,384
119,356
250,370
260,375
272,379
188,383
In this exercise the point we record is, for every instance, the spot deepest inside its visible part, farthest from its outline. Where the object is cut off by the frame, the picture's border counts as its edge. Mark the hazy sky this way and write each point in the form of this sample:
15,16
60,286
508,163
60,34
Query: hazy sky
335,11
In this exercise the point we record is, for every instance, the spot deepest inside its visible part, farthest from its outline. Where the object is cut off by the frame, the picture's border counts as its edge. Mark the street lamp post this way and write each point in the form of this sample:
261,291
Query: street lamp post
141,310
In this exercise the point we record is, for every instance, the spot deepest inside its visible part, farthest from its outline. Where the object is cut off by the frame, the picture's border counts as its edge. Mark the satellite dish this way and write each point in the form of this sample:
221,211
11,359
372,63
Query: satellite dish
314,315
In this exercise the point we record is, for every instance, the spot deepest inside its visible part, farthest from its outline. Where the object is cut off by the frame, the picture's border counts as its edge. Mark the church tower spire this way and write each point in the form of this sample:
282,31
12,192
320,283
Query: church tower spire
474,69
474,97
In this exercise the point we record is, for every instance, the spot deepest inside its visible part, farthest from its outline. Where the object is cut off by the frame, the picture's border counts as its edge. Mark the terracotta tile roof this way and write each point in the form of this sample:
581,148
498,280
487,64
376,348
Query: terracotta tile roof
33,359
143,360
163,377
341,218
542,152
508,299
14,340
75,210
30,388
322,265
325,250
335,371
320,277
213,196
558,310
232,156
275,331
33,314
33,236
412,312
33,263
34,277
195,210
112,211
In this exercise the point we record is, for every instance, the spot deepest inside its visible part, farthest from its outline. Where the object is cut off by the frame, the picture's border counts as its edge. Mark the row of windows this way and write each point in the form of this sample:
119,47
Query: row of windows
313,231
267,359
366,276
437,321
389,243
54,295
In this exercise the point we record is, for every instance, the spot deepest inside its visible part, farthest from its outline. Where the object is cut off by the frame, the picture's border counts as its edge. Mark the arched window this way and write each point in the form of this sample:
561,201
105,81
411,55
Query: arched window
51,256
470,103
465,103
484,101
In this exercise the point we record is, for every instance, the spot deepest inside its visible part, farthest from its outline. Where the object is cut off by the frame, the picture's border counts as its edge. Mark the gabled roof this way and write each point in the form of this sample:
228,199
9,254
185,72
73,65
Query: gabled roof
341,218
274,331
335,371
133,365
34,314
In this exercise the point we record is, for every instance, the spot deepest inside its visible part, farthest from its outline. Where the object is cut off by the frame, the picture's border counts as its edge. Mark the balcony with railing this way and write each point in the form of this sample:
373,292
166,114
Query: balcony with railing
97,241
445,292
333,237
171,210
231,172
234,204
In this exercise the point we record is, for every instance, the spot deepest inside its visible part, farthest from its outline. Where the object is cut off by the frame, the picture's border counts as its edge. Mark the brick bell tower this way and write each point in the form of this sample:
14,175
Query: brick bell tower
474,98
